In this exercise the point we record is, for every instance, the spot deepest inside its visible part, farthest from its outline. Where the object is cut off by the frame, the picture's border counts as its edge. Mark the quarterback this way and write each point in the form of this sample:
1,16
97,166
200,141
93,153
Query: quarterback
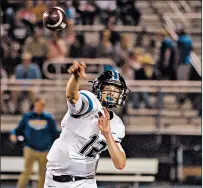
88,128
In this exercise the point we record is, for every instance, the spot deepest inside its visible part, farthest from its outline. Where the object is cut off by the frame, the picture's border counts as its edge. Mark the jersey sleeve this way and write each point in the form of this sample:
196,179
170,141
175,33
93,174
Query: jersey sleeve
119,133
84,105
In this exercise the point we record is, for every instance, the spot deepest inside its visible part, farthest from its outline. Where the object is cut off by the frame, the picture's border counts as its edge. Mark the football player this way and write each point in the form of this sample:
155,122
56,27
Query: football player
88,128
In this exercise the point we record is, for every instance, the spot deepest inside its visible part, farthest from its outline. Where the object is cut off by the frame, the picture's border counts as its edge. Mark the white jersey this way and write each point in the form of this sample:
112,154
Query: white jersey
76,151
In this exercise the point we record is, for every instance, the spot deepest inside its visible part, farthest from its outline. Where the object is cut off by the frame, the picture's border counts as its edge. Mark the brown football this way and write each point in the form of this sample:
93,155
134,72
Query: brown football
54,19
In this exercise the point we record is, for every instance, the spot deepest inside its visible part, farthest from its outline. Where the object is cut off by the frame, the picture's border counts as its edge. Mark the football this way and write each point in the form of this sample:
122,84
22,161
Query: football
54,19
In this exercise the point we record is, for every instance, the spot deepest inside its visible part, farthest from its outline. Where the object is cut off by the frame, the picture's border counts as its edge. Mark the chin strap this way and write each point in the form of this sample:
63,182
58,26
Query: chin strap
108,105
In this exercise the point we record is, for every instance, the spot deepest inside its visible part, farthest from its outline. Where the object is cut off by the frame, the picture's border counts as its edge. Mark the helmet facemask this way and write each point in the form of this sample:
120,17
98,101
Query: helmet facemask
110,89
111,95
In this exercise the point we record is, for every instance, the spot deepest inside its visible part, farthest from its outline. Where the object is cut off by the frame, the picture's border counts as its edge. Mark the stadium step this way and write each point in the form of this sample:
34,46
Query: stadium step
136,128
165,112
145,121
10,118
142,112
182,128
196,121
177,129
173,121
178,113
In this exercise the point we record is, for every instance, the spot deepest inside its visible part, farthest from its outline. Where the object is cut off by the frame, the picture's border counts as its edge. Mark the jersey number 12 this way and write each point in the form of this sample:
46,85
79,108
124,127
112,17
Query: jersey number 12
94,150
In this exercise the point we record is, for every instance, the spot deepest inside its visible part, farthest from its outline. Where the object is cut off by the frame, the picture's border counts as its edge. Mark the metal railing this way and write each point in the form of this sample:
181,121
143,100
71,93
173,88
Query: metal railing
134,85
185,6
178,12
93,65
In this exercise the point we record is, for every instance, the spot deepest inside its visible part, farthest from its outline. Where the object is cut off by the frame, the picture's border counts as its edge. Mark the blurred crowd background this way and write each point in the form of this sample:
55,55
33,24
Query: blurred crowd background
148,53
135,57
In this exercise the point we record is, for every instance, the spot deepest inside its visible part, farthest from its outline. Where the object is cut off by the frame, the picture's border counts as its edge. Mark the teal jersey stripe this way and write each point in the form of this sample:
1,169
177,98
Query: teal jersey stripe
89,108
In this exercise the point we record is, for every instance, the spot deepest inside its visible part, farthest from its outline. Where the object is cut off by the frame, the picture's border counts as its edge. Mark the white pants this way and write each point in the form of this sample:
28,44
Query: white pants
86,183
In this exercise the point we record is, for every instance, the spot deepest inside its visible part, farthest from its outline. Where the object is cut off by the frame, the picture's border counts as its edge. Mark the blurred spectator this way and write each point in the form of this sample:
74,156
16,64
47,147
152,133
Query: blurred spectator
166,62
70,11
5,94
3,77
20,29
125,69
76,49
26,70
139,42
37,46
56,47
151,46
135,59
52,3
80,49
87,11
107,10
7,12
122,48
114,35
128,13
57,50
196,98
9,54
38,10
39,130
184,47
28,12
105,48
145,72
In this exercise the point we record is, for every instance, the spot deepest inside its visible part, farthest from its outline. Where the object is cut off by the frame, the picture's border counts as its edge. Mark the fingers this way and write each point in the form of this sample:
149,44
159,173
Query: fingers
107,116
83,64
101,119
83,75
83,67
73,68
76,63
78,68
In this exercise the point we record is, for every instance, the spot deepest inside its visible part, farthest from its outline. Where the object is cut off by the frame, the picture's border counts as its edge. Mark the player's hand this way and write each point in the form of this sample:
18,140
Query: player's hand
104,122
13,138
78,69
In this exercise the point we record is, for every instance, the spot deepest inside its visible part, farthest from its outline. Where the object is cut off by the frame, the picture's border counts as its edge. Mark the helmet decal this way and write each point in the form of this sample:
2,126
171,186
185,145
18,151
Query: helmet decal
115,75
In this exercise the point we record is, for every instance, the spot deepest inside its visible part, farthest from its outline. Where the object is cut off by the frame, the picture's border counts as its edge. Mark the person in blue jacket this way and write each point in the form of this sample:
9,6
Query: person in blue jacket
39,130
184,48
25,71
167,54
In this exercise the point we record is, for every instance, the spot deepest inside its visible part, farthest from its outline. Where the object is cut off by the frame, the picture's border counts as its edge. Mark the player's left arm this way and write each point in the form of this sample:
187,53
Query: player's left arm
115,150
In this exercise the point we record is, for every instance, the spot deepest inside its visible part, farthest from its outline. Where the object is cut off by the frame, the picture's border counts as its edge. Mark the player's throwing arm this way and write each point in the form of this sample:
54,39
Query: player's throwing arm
78,71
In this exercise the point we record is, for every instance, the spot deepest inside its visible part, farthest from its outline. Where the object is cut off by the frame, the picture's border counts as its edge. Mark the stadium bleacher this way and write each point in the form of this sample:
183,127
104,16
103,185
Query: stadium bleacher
168,131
